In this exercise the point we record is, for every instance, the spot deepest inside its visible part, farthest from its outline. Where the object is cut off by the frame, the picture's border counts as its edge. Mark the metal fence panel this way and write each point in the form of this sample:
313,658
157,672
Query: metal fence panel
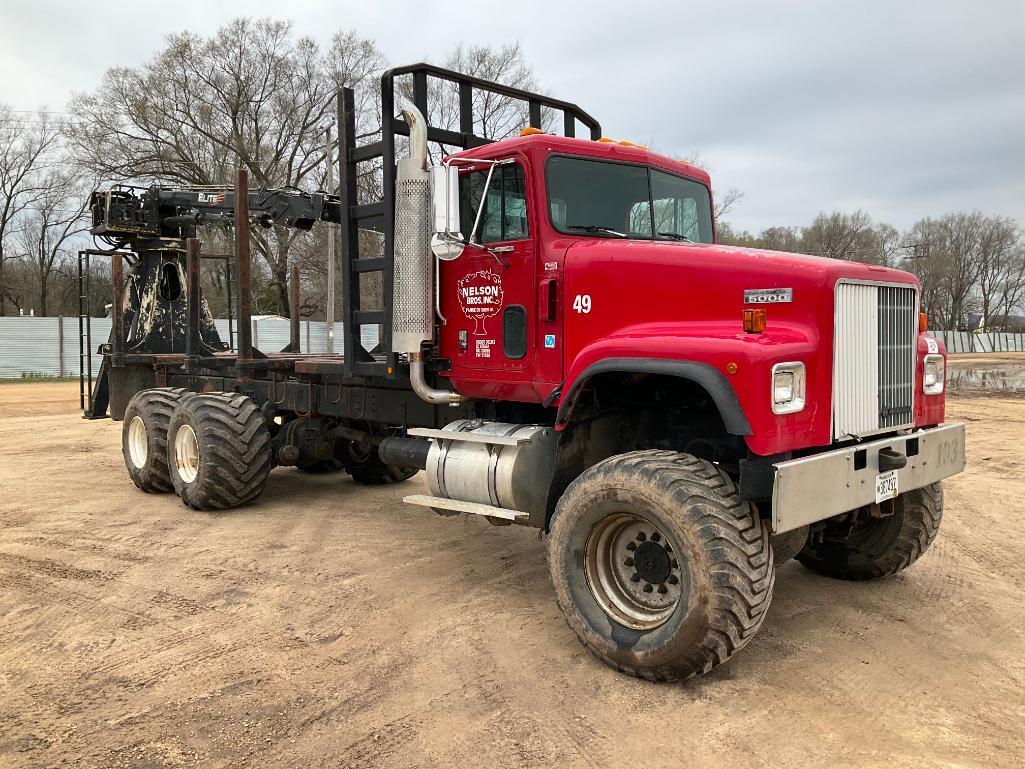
30,346
965,342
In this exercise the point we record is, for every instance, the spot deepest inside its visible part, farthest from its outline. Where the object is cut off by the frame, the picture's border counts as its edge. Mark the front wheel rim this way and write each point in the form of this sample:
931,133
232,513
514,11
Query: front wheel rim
138,442
186,453
633,571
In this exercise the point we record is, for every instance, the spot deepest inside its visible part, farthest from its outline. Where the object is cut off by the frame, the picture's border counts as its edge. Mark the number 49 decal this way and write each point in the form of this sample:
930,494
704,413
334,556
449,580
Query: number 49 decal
582,303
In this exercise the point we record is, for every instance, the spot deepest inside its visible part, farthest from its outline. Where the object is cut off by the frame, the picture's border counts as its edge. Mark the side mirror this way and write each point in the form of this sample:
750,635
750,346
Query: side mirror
446,236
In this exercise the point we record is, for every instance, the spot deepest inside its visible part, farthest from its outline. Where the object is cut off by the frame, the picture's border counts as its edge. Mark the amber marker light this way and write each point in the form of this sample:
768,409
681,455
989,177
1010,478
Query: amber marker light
531,131
754,321
923,322
731,367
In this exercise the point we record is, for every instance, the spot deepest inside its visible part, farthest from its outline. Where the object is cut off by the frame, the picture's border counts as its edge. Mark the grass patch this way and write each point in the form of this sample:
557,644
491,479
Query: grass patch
28,377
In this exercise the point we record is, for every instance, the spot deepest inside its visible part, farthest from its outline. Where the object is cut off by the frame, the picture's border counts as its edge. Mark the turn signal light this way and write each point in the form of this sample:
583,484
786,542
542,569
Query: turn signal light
923,322
754,321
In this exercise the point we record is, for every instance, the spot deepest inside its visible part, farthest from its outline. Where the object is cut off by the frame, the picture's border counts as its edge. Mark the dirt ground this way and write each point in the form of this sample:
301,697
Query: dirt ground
331,625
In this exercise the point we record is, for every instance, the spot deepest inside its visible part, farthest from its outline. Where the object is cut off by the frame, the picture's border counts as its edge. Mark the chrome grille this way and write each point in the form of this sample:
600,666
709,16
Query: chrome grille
873,358
897,331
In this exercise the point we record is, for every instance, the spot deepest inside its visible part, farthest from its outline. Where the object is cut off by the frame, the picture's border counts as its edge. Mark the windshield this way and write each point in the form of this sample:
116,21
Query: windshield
626,200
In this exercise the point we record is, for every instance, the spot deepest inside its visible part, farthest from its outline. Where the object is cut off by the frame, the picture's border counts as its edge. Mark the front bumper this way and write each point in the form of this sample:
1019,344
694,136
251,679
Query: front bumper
814,488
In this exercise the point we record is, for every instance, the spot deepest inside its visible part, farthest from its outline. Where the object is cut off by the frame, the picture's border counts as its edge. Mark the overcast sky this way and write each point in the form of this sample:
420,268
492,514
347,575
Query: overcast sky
903,109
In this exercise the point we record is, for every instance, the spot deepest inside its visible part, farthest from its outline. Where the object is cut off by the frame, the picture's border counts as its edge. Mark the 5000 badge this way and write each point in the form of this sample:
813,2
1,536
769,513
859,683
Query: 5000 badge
768,295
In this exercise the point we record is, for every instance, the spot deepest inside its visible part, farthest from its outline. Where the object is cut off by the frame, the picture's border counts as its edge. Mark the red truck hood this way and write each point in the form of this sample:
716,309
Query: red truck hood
734,264
804,264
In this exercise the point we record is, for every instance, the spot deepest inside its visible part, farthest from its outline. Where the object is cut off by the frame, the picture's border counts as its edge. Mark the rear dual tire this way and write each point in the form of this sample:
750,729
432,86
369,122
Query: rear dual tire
218,451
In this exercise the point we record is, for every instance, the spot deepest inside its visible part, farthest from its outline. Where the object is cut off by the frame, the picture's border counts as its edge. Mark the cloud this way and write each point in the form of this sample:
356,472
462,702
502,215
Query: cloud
903,109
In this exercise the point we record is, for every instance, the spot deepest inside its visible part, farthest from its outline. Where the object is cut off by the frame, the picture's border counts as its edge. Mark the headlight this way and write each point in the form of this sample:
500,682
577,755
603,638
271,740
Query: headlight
932,378
788,388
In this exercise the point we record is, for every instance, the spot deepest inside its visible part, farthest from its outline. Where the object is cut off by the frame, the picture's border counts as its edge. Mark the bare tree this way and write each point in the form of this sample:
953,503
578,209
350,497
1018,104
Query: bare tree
26,144
1000,268
495,116
840,236
949,261
47,228
251,94
1012,290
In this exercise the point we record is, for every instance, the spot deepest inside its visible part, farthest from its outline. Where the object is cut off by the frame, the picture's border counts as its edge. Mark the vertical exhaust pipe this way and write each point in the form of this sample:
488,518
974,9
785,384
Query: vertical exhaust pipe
413,287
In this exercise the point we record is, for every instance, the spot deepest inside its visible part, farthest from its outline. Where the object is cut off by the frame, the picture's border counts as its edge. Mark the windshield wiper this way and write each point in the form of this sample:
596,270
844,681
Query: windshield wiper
596,228
675,236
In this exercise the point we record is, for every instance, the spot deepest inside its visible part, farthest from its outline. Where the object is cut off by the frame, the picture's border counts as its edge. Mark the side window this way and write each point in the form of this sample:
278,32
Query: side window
505,211
682,207
640,219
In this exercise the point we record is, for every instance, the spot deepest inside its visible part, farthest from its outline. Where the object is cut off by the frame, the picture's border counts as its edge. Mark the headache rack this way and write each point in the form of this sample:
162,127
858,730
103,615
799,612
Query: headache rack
197,352
380,215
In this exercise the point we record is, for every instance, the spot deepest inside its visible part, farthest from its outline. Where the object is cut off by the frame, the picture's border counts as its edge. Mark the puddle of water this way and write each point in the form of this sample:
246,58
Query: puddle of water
999,380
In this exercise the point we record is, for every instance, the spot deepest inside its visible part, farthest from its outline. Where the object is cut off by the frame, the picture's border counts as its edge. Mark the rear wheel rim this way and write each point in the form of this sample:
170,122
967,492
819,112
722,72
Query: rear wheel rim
138,442
186,453
632,571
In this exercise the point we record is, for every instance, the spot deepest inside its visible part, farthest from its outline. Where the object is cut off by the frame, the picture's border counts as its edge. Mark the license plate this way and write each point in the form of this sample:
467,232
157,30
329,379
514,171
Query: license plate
886,486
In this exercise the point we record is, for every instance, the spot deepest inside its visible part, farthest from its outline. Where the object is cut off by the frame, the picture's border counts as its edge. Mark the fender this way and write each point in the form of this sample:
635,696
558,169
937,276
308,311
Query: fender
713,382
733,368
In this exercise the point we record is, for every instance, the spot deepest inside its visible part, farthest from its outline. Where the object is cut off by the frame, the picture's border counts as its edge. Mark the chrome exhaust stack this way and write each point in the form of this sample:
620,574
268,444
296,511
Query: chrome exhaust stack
413,287
413,295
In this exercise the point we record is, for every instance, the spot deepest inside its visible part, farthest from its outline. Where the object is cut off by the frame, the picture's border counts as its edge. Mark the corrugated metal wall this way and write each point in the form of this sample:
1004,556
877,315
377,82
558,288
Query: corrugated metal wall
964,341
32,346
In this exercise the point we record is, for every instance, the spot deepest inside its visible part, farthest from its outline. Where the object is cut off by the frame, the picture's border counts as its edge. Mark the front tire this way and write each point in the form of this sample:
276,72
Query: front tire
218,450
659,567
144,437
861,547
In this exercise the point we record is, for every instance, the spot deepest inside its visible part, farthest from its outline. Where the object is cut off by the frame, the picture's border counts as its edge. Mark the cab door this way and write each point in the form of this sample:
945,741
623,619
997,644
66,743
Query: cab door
488,297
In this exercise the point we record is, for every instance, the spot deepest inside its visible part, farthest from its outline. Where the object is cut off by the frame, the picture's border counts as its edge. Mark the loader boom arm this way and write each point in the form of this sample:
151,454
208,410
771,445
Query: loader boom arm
125,212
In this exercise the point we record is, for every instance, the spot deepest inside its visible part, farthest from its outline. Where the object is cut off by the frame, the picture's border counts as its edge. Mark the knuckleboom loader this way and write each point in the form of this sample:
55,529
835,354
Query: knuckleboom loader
561,344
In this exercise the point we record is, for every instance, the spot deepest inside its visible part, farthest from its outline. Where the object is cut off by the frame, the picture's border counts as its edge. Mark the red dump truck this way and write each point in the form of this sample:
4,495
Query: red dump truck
561,343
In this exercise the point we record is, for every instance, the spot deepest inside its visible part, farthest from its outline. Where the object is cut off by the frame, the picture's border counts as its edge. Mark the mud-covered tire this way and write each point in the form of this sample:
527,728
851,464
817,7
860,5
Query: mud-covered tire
233,451
366,467
878,547
722,555
144,437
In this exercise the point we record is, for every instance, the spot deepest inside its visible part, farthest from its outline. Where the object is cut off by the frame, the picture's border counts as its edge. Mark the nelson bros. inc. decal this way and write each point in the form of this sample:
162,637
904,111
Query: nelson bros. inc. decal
480,297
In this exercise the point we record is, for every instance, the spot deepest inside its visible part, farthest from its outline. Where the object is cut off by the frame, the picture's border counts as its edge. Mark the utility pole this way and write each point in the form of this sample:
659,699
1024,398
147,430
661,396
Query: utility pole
331,234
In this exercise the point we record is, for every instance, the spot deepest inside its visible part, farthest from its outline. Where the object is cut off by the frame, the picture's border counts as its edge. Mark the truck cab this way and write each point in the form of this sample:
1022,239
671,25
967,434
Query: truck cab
593,255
